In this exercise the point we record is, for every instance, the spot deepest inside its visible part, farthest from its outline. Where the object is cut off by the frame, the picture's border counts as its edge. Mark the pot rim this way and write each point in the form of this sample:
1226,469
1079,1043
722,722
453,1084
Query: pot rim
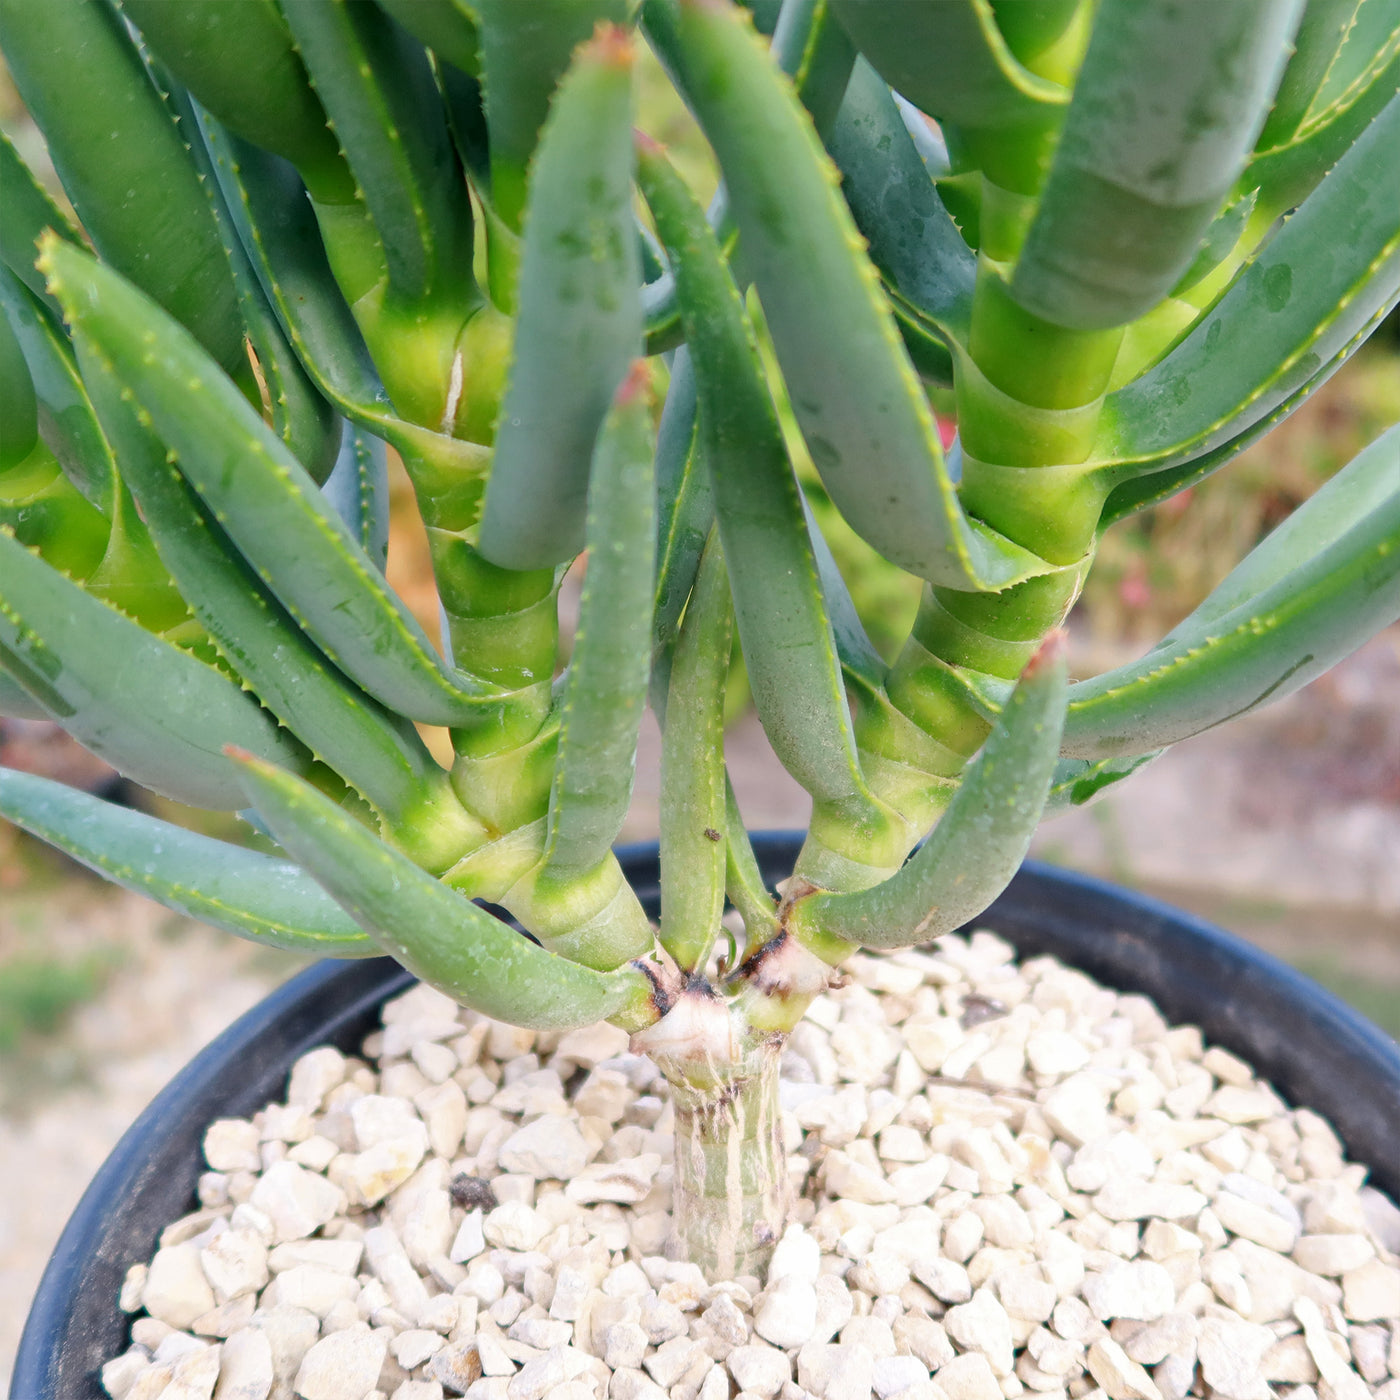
1309,1043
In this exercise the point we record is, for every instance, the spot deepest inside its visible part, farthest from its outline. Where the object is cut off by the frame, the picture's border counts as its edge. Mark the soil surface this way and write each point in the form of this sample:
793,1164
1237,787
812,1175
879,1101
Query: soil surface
1285,827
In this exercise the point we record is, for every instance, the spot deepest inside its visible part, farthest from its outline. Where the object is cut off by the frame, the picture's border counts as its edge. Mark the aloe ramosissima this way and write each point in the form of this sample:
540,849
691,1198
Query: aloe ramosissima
1141,235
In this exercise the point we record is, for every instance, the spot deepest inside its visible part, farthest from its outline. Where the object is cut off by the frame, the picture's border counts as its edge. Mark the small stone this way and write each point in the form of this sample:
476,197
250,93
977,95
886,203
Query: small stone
947,1280
1072,1319
1332,1255
550,1148
852,1180
834,1307
871,1332
444,1112
624,1345
418,1390
625,1182
296,1201
339,1256
1176,1333
1077,1109
913,1185
633,1385
1255,1222
119,1374
456,1366
674,1359
1290,1361
760,1369
513,1226
231,1145
341,1365
470,1239
1371,1293
1026,1294
235,1263
1120,1377
1124,1198
924,1338
796,1255
836,1372
1056,1053
968,1377
786,1313
193,1375
314,1075
413,1347
1141,1290
1236,1104
176,1290
313,1289
660,1320
1231,1353
379,1169
982,1325
721,1328
540,1376
893,1375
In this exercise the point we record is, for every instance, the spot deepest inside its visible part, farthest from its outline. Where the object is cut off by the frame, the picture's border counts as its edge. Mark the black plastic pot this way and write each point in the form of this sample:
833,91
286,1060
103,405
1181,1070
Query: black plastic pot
1316,1050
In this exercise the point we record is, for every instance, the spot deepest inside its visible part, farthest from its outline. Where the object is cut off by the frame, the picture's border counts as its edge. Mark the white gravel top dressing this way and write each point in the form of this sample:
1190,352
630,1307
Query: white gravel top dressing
1009,1182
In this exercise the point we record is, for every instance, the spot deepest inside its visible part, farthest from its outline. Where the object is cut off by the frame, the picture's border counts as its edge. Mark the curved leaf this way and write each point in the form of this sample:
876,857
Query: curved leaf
980,840
1166,108
913,240
1322,277
857,399
693,846
261,495
605,689
252,895
67,421
782,618
239,61
525,50
151,710
1079,781
949,58
452,944
119,154
358,490
376,85
579,324
25,212
1274,628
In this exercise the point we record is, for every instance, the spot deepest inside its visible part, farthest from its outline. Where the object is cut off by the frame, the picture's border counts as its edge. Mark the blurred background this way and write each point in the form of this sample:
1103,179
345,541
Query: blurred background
1284,826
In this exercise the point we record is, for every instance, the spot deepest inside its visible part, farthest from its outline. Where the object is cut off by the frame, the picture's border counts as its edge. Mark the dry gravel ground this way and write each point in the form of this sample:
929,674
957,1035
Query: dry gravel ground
1263,815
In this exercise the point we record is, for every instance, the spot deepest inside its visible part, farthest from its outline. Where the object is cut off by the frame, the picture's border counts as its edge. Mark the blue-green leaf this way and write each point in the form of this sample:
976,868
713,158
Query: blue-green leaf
255,896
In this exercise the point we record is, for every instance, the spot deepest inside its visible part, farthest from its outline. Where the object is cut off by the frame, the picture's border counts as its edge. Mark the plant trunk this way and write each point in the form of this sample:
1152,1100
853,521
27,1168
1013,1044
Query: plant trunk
730,1191
730,1197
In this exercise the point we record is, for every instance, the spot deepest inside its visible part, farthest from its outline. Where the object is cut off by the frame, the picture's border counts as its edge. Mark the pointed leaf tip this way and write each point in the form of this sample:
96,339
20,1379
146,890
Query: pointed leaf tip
636,384
1050,652
611,45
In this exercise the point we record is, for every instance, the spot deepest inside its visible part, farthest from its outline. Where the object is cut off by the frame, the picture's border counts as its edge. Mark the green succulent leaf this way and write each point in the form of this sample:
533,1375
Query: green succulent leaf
525,50
981,839
66,418
154,712
358,490
445,26
913,240
433,931
950,58
255,896
1166,109
19,430
782,617
1079,781
743,881
16,702
301,415
857,398
122,161
261,495
605,689
693,846
25,212
376,752
1311,593
1322,278
685,512
240,62
1345,68
376,84
579,323
1139,492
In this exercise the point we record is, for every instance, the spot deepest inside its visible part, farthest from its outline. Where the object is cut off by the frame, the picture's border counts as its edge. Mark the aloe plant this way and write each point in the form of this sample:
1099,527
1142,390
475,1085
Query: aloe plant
314,230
